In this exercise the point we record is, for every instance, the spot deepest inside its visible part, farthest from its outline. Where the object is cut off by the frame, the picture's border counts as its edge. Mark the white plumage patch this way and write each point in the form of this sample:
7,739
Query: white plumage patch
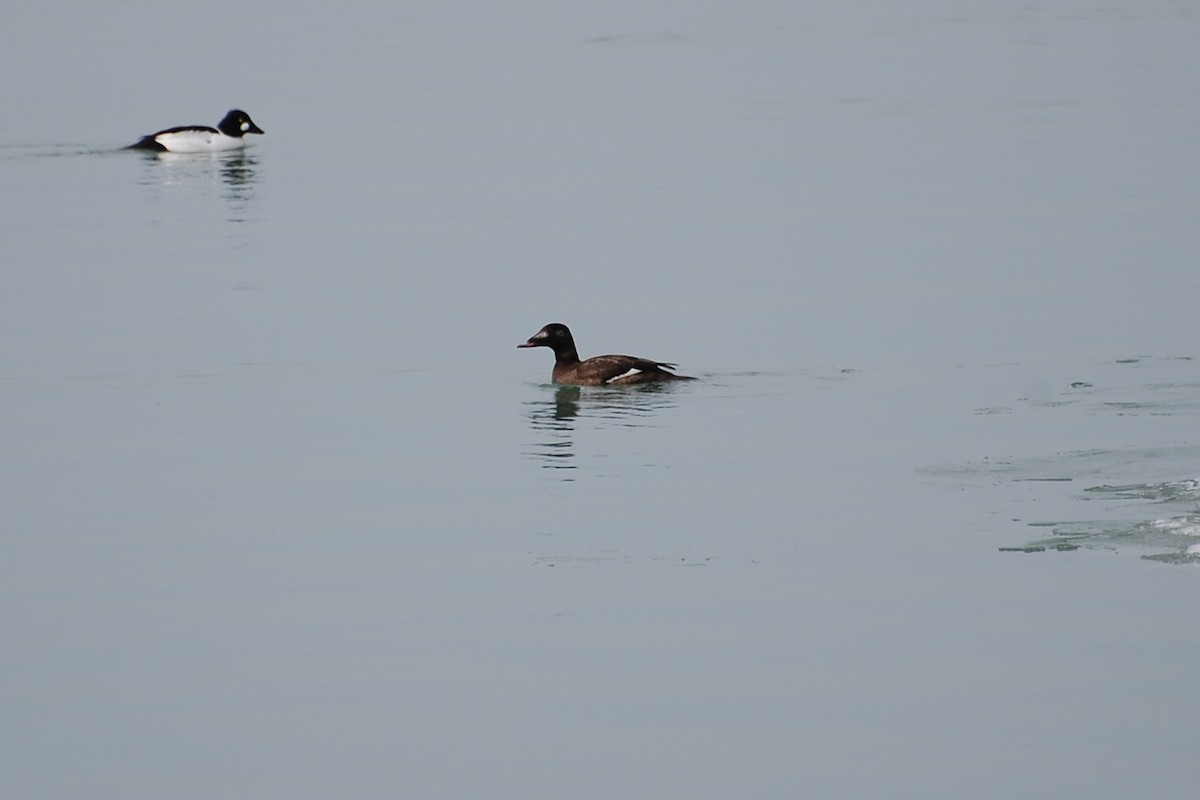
198,141
631,371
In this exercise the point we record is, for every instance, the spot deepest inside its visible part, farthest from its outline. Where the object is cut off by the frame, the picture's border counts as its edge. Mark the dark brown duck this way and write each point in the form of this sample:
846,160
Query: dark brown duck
610,370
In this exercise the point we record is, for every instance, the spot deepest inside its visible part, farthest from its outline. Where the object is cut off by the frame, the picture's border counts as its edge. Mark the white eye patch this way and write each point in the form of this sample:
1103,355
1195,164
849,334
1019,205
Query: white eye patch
245,126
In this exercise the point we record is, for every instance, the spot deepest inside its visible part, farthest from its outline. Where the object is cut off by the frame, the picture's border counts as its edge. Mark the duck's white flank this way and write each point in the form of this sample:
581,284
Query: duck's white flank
199,140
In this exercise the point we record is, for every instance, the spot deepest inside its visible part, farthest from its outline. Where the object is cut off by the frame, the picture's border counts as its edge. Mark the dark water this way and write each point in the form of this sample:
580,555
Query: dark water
286,513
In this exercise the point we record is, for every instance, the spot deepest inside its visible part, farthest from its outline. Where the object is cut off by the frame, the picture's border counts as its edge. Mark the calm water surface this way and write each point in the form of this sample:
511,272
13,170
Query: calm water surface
286,513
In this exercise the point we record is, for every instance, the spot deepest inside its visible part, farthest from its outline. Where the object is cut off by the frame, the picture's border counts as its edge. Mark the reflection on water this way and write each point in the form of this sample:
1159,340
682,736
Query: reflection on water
233,175
555,418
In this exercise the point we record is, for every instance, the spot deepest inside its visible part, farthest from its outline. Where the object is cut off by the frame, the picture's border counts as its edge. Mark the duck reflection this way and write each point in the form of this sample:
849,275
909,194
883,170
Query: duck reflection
556,417
239,171
233,174
566,402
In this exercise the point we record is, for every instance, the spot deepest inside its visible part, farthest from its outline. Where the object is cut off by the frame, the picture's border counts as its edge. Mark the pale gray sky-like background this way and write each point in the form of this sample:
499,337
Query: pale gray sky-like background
285,513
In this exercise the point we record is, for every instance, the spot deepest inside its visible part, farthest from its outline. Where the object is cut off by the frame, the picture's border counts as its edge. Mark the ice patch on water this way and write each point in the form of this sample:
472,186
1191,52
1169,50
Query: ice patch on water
1177,538
1180,526
1159,492
1161,519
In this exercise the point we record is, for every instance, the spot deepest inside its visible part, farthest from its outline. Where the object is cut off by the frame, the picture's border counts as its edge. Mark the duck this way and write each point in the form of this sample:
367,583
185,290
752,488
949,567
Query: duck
228,135
610,370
